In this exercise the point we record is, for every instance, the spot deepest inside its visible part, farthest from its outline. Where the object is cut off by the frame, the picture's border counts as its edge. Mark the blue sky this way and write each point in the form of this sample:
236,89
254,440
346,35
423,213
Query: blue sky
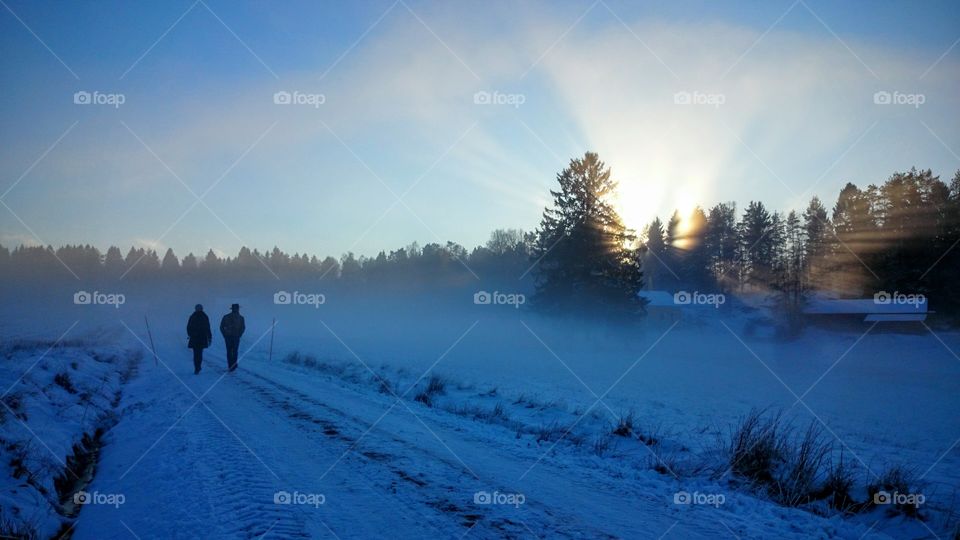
786,89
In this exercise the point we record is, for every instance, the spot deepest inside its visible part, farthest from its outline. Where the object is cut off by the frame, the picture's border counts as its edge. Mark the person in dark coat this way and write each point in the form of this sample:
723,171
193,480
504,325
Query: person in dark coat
198,330
232,327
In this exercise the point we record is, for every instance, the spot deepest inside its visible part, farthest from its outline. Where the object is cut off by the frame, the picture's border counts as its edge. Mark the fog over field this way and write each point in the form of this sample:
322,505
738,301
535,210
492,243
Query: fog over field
443,270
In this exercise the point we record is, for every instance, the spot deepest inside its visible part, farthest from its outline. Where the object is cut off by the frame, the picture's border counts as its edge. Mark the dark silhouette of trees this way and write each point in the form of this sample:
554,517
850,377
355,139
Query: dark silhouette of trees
655,264
757,247
902,235
793,284
817,239
170,265
585,253
722,242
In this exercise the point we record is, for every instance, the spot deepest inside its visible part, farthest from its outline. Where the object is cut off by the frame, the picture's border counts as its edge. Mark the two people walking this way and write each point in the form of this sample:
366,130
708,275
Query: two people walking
232,327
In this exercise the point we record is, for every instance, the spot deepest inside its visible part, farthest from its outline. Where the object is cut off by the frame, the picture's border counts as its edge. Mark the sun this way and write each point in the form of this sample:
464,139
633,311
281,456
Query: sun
637,202
638,205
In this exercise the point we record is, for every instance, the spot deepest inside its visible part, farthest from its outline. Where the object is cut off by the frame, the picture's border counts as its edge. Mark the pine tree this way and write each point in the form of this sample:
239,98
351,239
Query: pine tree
721,242
170,265
585,255
757,248
113,263
793,259
857,239
817,235
695,258
778,251
656,248
189,264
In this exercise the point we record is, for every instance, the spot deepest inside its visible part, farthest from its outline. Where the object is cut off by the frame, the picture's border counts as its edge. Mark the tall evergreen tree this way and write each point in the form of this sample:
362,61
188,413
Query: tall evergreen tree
757,248
695,257
857,240
817,236
170,265
793,285
585,253
654,262
721,242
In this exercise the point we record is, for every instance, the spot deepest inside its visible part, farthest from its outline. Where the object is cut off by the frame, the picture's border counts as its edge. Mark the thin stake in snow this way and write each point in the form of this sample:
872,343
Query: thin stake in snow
272,326
150,335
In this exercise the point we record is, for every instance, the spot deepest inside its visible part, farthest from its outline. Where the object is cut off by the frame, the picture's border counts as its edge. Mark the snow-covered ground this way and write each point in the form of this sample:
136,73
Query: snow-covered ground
55,398
205,456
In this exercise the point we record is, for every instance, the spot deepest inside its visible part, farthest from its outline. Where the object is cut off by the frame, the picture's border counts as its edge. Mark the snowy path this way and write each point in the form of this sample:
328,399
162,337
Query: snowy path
211,467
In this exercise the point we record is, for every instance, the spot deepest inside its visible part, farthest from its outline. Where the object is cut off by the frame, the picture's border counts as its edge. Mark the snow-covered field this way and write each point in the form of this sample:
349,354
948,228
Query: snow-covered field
518,442
58,397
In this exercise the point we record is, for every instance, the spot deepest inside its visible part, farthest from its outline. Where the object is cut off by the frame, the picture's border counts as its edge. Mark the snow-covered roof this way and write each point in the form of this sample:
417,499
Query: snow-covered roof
896,317
865,306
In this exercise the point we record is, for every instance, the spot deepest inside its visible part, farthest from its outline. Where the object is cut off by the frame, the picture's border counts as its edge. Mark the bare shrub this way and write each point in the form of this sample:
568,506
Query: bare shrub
893,481
63,380
424,397
796,481
837,487
755,449
550,432
436,385
625,425
602,444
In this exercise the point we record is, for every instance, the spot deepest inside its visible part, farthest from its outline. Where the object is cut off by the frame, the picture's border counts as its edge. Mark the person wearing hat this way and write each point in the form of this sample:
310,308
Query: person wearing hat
198,330
232,327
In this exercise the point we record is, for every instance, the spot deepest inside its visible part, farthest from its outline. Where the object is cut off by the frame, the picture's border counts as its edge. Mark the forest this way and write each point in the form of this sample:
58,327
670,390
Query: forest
897,235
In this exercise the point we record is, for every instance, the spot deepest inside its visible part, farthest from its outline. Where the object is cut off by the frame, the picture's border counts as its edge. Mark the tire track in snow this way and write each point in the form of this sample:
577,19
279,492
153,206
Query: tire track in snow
438,486
239,490
398,486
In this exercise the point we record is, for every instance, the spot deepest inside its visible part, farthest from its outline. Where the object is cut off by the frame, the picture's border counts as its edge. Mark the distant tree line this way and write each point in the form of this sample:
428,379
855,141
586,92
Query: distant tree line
902,236
899,236
507,255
